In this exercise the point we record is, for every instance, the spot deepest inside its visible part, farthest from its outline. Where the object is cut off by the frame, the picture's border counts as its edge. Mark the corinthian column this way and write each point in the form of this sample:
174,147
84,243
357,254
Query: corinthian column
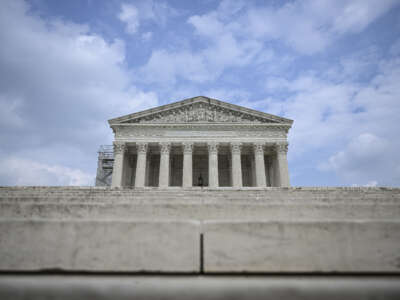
187,179
236,149
213,164
118,167
141,164
282,164
260,166
164,164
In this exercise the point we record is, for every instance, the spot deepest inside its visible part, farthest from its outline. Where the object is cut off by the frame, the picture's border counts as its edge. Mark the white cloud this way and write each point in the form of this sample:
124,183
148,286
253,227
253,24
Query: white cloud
207,25
354,123
62,87
310,26
358,66
366,158
365,149
355,15
395,48
229,8
158,11
10,115
238,34
147,36
145,11
165,67
20,171
237,96
223,50
129,15
274,83
322,110
289,23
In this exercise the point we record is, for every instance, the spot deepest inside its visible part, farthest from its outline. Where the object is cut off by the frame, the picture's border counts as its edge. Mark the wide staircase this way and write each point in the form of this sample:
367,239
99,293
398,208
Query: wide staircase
266,204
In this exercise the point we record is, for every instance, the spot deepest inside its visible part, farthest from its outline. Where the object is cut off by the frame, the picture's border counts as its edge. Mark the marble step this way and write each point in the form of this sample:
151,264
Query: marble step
198,211
274,195
196,192
197,201
177,189
208,194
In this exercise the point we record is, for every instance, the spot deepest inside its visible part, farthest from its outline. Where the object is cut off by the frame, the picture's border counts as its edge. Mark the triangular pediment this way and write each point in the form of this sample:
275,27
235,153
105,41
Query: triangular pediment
199,110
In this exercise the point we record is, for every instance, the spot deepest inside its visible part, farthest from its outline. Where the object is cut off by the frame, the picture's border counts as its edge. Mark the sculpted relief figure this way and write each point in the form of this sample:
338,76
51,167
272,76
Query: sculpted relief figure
199,112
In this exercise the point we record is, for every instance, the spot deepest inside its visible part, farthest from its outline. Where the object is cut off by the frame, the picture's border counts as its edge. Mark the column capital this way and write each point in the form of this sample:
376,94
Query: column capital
258,147
281,147
187,147
236,147
141,147
213,147
165,147
119,147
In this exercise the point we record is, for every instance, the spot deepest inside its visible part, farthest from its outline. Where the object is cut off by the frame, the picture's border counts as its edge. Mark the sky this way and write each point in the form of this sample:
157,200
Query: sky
333,67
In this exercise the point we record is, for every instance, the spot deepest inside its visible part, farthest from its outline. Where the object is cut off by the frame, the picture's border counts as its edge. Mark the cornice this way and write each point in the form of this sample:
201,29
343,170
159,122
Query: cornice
202,125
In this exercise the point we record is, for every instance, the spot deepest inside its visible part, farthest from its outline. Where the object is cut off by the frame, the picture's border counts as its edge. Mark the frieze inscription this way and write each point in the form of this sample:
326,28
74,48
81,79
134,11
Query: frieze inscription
154,132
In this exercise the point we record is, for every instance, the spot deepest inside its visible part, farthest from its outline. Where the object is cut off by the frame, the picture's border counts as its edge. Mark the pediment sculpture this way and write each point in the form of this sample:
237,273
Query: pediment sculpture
199,112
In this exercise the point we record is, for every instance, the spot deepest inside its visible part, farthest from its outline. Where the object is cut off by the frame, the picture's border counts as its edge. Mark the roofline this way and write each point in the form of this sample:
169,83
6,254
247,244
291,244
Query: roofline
183,102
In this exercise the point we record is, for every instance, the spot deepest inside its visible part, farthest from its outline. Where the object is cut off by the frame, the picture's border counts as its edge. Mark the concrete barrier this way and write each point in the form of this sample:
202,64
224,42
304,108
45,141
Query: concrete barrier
195,230
310,246
106,246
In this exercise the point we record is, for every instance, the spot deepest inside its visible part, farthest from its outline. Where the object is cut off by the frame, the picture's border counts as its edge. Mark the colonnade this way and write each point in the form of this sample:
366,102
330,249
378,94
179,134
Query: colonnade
279,163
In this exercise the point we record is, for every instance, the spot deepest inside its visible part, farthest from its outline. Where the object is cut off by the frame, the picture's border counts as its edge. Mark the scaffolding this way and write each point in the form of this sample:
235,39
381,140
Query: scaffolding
105,165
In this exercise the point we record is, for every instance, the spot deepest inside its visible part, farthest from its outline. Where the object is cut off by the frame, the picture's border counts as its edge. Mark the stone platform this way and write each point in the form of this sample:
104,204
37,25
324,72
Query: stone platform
200,231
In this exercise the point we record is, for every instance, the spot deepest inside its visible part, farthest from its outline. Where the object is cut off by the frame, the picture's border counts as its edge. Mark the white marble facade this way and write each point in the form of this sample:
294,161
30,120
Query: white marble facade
200,142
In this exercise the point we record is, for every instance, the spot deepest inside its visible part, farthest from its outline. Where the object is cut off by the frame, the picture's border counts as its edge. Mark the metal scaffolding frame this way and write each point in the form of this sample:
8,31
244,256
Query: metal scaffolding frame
105,165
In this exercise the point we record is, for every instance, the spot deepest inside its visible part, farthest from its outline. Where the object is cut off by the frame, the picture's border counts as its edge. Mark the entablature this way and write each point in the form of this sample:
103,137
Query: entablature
200,131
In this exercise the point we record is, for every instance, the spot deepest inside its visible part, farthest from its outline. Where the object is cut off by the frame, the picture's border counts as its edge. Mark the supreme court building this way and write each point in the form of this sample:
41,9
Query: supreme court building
200,142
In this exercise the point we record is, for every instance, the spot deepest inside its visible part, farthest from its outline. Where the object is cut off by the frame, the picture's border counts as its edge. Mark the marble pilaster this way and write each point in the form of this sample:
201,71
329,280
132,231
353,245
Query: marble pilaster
118,168
236,149
141,164
282,164
259,164
213,164
187,179
270,170
164,164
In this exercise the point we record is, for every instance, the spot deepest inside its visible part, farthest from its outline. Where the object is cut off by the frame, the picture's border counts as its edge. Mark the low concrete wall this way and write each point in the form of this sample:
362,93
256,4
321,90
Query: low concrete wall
284,230
107,246
313,246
